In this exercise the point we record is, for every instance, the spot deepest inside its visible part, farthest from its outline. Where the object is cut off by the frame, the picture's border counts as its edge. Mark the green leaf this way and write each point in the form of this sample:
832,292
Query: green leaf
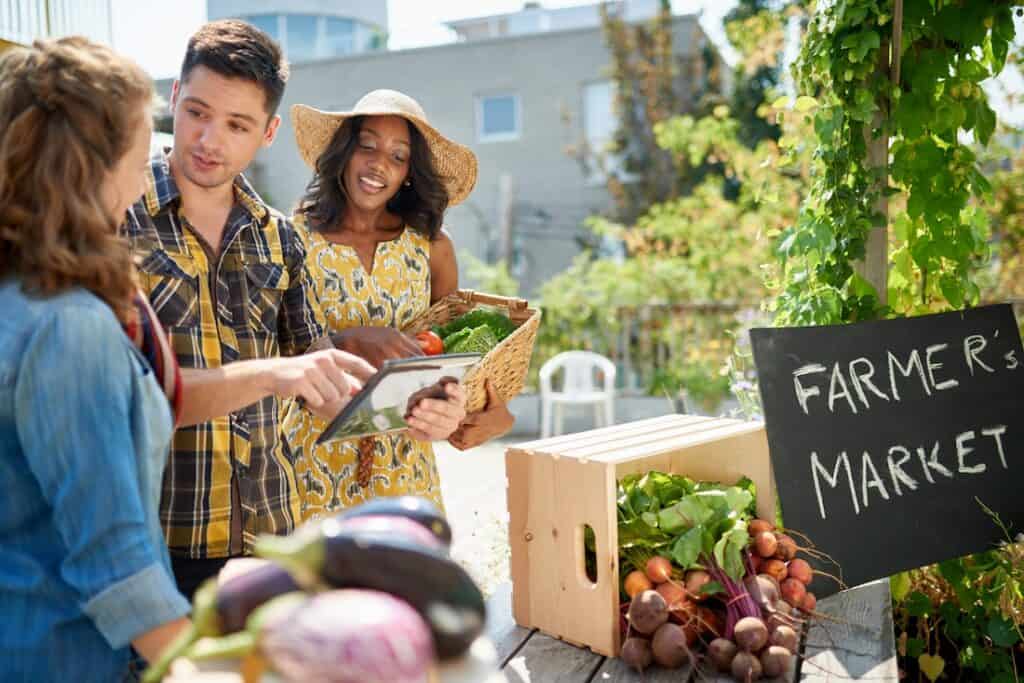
952,289
781,102
1002,632
952,571
985,123
738,499
899,585
915,646
804,103
711,588
918,604
687,513
687,547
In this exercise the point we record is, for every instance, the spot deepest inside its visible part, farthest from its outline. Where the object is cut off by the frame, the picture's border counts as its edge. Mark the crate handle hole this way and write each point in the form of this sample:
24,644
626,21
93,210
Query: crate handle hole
587,543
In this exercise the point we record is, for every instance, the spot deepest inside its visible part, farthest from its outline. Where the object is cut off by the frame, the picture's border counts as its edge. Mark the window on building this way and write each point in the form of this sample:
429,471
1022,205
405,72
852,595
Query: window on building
266,23
498,117
302,32
599,125
339,37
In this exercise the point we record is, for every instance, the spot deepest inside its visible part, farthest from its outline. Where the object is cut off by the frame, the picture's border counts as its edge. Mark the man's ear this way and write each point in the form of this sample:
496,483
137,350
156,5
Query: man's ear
175,91
271,132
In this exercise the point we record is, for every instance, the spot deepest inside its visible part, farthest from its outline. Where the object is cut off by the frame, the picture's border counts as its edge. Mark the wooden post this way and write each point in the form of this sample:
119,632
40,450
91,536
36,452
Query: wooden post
875,267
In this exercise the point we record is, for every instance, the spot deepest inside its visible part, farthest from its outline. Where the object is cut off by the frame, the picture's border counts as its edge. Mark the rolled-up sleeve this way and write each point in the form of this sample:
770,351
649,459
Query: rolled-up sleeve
301,321
73,410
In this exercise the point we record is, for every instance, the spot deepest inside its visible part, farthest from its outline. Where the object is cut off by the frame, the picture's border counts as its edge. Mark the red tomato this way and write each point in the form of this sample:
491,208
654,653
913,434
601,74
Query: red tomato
430,343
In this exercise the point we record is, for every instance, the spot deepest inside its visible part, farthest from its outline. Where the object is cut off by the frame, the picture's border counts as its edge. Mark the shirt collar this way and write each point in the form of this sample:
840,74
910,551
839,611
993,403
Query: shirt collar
161,190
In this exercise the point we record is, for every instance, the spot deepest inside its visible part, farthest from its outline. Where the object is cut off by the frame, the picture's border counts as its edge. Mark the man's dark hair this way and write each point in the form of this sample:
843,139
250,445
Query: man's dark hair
236,49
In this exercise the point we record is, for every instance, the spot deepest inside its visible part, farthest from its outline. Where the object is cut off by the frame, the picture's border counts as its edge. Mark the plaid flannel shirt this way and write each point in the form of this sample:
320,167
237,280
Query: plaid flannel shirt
229,479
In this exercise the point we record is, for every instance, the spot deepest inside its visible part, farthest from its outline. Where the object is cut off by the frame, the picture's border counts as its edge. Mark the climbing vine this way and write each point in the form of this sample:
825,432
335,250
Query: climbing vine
929,104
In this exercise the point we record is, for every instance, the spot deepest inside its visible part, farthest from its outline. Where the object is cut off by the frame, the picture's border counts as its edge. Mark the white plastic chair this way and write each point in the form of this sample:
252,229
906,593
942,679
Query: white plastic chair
579,386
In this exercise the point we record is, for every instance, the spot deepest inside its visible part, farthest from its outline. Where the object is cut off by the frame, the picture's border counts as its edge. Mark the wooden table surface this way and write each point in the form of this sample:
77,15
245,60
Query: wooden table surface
854,642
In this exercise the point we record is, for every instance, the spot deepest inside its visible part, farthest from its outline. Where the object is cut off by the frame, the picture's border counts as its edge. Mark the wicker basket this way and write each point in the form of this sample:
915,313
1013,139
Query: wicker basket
507,363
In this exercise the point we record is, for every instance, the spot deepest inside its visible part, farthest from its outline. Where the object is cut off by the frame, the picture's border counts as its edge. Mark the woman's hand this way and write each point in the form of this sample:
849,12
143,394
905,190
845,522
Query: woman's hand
491,422
376,344
435,419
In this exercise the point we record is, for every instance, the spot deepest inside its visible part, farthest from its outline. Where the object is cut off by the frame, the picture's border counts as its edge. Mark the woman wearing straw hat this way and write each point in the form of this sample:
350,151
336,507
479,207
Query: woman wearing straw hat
372,216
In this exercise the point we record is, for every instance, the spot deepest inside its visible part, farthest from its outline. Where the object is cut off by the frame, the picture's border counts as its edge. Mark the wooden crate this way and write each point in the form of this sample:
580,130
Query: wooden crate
557,486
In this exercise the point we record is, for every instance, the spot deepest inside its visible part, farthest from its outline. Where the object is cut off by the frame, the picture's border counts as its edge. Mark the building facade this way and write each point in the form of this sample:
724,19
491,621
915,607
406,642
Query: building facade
530,103
22,21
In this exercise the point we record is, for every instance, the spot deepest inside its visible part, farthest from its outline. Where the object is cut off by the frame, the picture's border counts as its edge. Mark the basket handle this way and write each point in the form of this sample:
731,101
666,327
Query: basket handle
512,304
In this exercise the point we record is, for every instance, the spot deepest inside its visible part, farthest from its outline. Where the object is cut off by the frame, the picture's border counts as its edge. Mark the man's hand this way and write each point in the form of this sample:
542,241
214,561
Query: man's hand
435,419
491,422
323,380
376,344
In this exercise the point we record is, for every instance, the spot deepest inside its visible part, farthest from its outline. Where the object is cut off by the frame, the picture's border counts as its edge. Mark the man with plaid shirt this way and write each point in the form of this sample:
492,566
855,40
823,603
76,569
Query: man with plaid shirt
226,275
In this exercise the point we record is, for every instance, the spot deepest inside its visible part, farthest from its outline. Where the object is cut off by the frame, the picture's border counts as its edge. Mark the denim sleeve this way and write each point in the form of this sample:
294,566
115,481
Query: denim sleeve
301,321
73,415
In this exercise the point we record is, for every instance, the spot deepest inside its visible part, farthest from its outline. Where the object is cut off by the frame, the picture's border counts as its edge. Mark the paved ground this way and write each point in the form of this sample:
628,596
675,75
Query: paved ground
473,484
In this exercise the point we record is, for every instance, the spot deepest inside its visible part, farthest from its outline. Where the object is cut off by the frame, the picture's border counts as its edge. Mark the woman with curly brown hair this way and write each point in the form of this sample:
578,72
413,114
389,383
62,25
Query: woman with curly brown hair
84,420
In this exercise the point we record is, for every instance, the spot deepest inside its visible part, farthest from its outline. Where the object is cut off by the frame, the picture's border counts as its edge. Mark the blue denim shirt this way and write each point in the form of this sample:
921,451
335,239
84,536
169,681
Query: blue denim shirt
84,435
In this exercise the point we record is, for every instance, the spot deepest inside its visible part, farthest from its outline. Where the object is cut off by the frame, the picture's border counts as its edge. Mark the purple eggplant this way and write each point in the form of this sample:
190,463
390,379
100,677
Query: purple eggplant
438,588
419,510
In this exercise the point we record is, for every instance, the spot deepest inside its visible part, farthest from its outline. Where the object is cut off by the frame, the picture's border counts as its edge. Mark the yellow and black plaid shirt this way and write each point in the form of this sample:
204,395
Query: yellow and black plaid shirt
229,479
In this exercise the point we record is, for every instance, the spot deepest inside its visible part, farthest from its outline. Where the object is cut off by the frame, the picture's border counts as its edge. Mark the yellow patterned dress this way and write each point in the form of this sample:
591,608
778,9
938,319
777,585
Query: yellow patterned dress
329,476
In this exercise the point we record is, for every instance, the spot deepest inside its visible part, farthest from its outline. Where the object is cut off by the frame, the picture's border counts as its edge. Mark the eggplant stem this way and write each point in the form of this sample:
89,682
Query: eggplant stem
235,645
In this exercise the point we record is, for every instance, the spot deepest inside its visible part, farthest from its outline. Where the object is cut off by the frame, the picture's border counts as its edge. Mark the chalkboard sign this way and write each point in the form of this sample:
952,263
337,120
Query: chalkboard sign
887,437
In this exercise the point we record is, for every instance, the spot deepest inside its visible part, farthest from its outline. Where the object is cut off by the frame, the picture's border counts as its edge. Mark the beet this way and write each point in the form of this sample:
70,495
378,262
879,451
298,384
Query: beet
800,570
670,646
750,634
775,569
793,592
763,588
636,653
775,661
756,526
696,579
785,636
647,611
721,652
659,569
745,667
765,544
786,549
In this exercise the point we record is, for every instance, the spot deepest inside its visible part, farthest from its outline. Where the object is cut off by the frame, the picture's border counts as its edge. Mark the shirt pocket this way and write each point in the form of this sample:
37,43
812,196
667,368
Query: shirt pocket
267,283
172,284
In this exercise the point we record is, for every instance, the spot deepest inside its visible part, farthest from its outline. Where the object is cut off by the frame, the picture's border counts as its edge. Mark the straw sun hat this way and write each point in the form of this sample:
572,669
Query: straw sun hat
455,163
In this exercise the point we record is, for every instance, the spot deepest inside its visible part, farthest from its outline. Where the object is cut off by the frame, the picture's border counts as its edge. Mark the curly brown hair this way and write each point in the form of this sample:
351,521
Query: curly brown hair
68,109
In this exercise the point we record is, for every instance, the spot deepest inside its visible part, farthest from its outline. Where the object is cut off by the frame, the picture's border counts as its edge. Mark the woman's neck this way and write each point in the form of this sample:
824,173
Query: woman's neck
361,222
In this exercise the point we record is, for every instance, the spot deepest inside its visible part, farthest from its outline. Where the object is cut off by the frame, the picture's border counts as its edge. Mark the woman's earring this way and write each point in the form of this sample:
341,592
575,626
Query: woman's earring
408,183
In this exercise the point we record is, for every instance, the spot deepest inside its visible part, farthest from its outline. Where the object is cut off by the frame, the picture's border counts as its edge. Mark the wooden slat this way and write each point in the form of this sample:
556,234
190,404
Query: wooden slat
614,671
624,436
555,441
548,660
859,644
502,629
685,439
611,449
